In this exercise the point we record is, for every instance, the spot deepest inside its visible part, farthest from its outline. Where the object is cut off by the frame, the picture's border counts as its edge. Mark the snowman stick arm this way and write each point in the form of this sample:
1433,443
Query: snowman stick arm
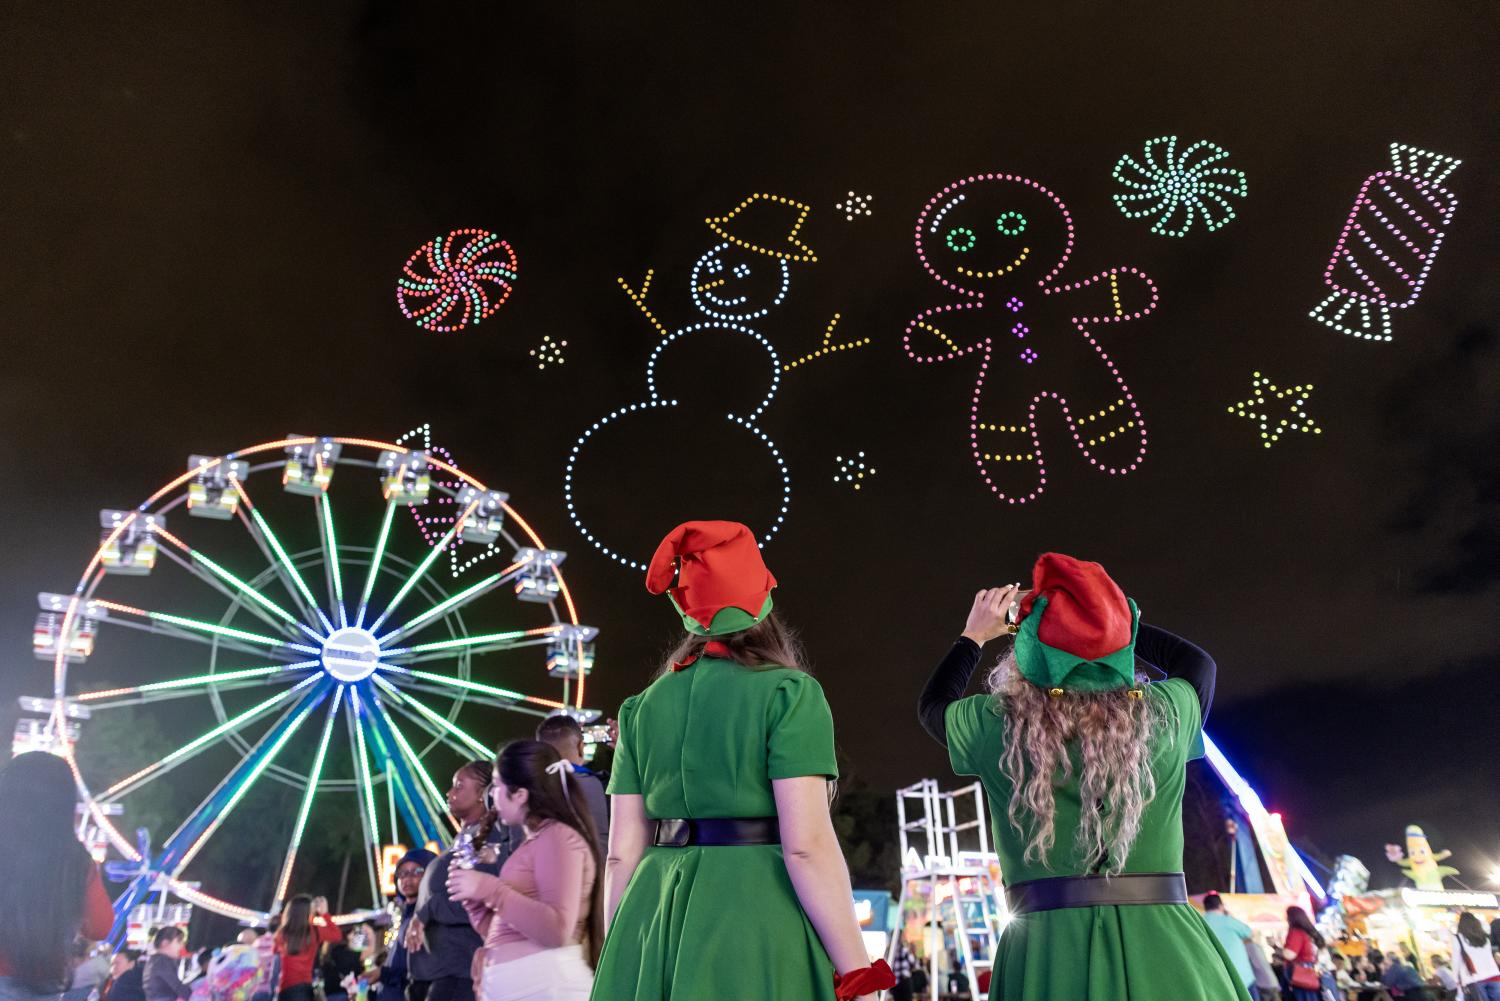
639,298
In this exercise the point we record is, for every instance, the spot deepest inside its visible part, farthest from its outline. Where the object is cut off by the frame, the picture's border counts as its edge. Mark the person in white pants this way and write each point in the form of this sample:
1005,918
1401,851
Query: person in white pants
542,917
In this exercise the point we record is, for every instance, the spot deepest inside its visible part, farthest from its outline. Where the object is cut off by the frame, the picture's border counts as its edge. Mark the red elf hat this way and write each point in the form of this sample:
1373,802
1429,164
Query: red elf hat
1077,628
714,574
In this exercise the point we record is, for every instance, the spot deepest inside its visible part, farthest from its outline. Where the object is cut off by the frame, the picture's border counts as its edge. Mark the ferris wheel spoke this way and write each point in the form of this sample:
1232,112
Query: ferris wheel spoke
436,801
199,744
485,643
210,815
199,631
331,569
421,569
474,687
291,576
479,699
452,734
380,543
369,821
223,681
313,778
226,583
453,603
424,818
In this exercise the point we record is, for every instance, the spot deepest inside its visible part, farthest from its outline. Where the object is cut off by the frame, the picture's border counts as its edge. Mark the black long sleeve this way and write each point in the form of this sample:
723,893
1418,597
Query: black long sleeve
947,685
1165,651
1179,659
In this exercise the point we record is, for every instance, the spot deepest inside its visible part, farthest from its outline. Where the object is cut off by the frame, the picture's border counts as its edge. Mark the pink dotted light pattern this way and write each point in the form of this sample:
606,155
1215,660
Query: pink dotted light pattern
987,236
1388,244
454,281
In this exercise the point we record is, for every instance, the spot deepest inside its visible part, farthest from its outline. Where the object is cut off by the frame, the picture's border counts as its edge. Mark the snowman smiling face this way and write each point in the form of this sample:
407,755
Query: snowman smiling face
731,283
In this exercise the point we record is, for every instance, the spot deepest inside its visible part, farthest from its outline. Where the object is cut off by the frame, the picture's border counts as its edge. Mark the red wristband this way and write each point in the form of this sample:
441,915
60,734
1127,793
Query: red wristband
876,977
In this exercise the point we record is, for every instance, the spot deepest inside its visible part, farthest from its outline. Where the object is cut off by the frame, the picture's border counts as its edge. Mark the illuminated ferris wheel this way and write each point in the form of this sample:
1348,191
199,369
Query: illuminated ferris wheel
329,666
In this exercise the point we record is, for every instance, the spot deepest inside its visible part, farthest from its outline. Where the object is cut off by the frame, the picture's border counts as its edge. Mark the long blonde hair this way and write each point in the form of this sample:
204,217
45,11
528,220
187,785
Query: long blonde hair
1115,735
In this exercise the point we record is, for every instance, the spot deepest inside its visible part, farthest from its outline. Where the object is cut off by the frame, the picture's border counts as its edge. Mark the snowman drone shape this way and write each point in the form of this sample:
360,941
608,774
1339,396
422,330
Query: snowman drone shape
999,241
734,283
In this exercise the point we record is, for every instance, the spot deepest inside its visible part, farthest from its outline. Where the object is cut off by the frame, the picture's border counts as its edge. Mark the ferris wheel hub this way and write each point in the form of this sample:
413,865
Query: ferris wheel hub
350,654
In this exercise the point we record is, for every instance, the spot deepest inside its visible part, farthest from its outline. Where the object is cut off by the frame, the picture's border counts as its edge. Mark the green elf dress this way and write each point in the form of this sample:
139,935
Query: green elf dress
705,740
1104,952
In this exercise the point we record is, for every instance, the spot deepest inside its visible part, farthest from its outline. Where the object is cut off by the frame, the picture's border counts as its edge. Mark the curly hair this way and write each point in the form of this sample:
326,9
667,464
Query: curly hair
1114,733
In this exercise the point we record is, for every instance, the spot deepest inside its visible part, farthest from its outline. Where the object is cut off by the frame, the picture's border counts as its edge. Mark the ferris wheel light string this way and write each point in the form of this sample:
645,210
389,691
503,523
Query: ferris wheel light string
362,766
208,627
235,581
230,724
426,564
465,641
286,561
407,699
307,797
475,686
494,580
399,762
325,507
218,677
255,773
414,762
380,544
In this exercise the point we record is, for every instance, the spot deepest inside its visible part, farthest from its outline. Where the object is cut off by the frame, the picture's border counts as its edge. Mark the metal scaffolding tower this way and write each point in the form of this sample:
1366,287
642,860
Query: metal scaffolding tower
949,867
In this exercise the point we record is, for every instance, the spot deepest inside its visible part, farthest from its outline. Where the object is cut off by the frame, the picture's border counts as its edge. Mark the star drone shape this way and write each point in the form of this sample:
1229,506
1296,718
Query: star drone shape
1179,188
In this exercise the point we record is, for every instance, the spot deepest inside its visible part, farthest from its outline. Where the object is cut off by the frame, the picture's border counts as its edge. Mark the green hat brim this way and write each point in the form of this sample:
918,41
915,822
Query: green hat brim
725,621
1048,667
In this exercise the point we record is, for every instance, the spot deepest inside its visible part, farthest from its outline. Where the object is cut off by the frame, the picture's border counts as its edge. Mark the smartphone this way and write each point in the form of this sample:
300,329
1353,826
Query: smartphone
1013,613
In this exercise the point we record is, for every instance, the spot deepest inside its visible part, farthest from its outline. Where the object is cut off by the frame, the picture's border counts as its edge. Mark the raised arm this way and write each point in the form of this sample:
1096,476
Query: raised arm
1179,659
951,678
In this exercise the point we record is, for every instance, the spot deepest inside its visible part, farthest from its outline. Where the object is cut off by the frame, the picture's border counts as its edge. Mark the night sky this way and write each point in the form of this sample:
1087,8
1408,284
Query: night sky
206,209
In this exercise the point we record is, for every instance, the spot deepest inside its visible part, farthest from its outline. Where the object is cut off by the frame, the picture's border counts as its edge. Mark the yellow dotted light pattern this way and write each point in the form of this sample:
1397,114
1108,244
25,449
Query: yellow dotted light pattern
825,347
795,250
1291,400
549,352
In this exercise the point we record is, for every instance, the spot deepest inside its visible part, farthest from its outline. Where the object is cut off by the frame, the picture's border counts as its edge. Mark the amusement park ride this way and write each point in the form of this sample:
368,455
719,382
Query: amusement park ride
327,637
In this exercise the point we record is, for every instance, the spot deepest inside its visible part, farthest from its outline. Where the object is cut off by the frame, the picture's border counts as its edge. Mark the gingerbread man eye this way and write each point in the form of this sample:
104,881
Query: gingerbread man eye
1011,223
742,270
961,239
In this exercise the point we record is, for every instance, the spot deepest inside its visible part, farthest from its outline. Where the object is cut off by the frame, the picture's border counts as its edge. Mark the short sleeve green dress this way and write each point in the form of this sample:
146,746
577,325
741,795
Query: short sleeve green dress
720,923
1142,952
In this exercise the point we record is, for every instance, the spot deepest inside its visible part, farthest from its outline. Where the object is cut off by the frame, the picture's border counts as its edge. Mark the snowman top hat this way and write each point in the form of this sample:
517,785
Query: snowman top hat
766,224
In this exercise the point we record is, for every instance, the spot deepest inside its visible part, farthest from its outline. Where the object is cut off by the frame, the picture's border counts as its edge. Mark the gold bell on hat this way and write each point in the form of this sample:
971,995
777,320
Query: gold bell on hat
1137,693
1056,693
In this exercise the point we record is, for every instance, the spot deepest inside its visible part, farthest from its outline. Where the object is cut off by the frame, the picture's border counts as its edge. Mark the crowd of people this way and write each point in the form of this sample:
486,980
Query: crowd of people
706,865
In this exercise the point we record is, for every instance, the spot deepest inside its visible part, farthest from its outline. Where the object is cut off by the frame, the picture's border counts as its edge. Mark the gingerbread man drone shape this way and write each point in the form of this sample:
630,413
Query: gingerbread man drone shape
999,242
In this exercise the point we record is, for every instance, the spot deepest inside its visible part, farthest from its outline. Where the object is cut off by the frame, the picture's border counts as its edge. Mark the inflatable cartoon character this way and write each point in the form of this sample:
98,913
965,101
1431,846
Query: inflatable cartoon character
999,242
1421,864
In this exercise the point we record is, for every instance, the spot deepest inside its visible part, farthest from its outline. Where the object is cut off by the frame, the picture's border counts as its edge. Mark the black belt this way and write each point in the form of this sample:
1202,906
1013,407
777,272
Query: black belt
717,831
1096,891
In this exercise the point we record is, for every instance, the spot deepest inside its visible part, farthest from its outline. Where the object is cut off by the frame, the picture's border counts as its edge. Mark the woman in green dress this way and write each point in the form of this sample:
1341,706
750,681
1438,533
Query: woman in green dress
1083,763
725,880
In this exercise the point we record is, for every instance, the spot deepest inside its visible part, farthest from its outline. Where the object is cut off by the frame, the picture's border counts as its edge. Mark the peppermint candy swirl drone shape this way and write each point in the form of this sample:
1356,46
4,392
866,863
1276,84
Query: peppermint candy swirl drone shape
1179,189
454,281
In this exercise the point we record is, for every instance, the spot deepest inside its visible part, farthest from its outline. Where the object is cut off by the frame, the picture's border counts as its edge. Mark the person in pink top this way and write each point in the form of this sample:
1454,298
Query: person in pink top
542,918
